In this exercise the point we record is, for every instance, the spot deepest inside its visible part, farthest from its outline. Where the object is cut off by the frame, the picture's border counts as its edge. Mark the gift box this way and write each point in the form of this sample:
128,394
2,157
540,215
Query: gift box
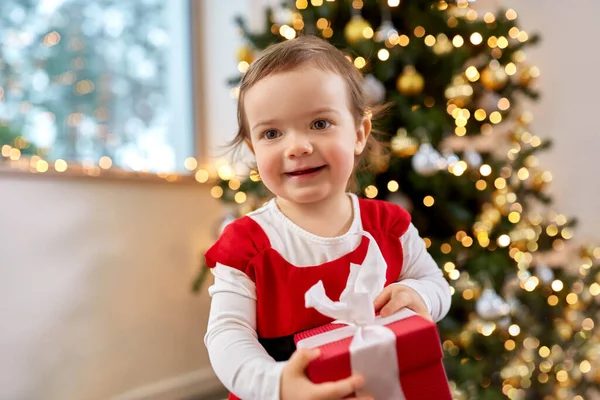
399,356
418,373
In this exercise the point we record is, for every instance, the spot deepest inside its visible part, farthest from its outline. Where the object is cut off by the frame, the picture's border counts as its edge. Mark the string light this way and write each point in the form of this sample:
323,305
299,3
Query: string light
234,184
301,4
458,41
371,191
510,69
60,165
243,66
51,39
14,154
360,62
476,38
472,74
216,192
403,40
240,197
503,241
557,285
511,14
201,176
105,162
502,42
383,54
523,37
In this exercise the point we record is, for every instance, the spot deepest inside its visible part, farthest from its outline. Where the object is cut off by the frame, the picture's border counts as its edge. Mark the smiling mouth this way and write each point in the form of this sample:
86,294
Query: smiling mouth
305,171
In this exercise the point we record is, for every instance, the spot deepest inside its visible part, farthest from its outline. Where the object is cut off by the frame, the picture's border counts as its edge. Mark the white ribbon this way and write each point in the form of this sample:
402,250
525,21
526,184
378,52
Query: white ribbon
373,346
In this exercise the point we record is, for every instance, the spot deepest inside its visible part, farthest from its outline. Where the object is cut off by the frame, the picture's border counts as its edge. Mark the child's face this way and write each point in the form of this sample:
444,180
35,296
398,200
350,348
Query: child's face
303,133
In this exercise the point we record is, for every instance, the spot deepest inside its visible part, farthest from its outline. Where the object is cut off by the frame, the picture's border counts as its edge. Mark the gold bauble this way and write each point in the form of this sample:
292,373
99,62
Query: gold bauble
411,82
494,77
403,145
354,30
245,53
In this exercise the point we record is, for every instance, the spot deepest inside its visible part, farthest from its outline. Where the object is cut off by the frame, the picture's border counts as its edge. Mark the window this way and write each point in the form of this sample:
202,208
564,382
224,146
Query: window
98,81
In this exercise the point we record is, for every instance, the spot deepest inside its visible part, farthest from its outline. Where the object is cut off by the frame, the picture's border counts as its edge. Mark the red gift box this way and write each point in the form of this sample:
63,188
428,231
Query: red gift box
418,351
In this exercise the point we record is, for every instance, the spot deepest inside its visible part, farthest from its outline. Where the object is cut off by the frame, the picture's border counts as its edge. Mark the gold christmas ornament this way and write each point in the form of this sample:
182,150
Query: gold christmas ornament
410,82
494,77
355,29
245,53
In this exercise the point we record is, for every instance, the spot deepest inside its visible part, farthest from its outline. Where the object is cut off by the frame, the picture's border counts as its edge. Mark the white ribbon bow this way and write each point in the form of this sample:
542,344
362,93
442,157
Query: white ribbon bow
373,346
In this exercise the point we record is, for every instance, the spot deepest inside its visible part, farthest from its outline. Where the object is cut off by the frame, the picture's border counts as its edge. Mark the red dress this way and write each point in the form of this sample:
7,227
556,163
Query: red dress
280,286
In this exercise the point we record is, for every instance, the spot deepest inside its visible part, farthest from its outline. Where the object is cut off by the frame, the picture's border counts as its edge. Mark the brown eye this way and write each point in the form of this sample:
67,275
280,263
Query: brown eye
320,124
272,134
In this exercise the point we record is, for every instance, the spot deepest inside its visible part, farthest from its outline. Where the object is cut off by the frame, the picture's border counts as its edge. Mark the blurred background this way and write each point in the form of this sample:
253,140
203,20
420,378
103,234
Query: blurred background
112,118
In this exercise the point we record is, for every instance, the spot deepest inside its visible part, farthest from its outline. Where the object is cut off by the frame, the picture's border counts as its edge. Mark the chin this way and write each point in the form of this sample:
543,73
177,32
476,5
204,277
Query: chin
308,195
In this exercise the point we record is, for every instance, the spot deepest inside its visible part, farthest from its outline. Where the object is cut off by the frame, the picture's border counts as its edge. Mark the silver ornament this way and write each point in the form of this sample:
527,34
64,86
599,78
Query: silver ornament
374,90
473,158
490,306
426,160
544,273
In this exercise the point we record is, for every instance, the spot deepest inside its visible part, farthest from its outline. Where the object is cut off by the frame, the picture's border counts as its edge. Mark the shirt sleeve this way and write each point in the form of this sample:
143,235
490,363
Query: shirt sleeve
238,359
421,273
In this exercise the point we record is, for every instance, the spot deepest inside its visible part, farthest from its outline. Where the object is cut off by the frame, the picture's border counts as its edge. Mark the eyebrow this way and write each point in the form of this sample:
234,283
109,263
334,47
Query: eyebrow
321,110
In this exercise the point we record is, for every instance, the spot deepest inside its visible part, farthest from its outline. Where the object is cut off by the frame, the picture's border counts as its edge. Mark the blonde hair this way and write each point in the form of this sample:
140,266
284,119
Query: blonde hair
310,50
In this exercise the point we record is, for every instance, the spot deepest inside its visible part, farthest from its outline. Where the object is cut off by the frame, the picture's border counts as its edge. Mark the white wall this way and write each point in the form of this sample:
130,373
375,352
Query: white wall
95,293
94,285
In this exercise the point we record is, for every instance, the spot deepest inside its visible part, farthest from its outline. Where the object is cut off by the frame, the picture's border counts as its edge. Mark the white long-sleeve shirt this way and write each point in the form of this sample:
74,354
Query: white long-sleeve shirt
239,360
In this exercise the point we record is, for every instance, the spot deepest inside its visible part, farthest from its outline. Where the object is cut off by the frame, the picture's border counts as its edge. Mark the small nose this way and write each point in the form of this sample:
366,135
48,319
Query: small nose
300,146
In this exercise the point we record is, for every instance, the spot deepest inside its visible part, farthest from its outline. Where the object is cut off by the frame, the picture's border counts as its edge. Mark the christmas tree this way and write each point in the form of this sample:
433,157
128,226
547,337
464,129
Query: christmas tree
463,161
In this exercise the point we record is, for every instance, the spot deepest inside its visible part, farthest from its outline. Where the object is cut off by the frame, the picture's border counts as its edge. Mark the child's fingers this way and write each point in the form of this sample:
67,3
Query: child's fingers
339,389
421,310
301,358
383,298
397,302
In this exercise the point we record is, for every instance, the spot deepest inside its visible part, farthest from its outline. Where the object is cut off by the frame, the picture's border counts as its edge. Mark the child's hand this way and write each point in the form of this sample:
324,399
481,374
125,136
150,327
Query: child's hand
295,385
396,297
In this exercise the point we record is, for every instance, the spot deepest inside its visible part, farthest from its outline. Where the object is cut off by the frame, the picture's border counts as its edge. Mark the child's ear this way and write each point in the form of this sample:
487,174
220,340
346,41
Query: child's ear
362,134
249,144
